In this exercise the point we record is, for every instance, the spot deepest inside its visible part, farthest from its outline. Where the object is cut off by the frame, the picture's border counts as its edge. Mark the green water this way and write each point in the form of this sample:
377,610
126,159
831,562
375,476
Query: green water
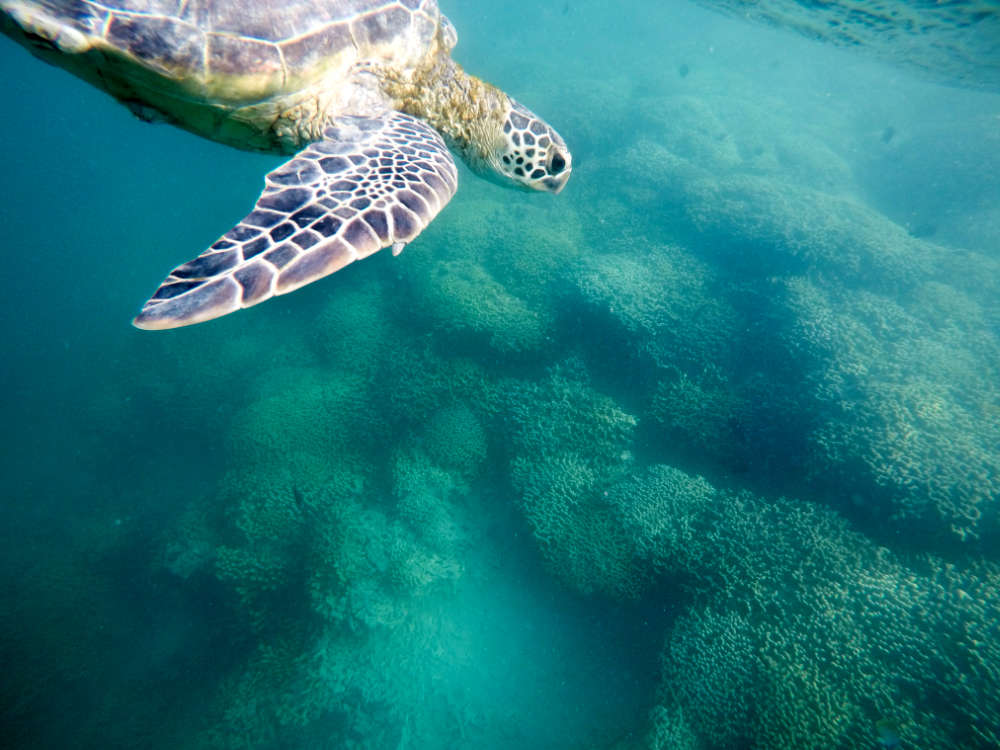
702,453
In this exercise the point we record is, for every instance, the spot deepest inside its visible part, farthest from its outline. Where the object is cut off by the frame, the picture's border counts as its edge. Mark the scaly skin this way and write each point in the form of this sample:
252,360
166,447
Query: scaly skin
467,111
497,137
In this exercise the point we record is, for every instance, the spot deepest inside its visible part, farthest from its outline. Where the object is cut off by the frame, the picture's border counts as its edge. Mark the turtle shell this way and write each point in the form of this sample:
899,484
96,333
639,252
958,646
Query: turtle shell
255,74
232,53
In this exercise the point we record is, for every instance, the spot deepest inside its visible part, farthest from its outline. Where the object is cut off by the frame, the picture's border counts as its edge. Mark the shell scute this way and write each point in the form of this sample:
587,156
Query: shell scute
233,56
305,52
164,43
260,20
381,27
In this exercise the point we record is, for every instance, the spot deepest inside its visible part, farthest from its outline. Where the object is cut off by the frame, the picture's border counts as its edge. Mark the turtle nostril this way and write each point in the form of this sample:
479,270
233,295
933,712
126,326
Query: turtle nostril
558,163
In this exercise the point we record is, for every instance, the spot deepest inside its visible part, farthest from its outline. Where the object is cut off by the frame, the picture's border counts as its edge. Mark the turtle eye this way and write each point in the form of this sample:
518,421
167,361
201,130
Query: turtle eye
557,164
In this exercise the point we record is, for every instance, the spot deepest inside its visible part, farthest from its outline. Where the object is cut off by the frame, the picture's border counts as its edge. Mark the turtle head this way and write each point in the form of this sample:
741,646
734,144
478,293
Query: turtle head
497,136
530,152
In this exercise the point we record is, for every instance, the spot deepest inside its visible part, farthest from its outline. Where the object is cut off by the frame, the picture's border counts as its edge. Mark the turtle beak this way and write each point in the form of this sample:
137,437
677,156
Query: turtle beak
560,168
556,184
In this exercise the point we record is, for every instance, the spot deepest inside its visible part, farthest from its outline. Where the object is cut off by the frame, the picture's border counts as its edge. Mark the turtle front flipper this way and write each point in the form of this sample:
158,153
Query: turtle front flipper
369,183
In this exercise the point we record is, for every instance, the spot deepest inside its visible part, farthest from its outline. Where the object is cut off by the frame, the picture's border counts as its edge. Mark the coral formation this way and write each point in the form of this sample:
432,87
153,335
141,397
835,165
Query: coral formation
763,226
462,299
802,632
454,439
777,336
570,444
904,399
662,302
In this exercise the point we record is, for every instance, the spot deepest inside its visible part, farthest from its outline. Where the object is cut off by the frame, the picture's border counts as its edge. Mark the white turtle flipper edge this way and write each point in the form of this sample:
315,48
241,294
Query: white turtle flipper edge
369,183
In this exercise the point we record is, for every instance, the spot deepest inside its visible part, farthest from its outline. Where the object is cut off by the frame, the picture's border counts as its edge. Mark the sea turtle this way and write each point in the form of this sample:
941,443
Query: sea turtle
364,93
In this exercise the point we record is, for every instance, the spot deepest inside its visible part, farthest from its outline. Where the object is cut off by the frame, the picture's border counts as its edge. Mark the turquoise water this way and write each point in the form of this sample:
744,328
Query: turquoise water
702,453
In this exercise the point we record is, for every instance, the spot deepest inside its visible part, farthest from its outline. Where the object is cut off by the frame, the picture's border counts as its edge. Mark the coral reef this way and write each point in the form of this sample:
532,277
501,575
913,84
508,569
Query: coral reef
454,439
642,405
570,444
802,632
661,301
763,226
462,299
905,395
338,550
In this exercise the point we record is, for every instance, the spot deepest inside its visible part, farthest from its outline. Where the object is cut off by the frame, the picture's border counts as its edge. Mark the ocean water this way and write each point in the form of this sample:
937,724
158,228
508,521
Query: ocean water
703,452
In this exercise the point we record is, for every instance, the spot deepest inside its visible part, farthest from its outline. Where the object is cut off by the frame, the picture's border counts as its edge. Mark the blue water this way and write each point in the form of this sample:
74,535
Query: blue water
702,453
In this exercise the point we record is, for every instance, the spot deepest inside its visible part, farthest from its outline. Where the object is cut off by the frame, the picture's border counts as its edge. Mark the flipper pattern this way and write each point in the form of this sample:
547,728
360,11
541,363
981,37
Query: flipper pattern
369,183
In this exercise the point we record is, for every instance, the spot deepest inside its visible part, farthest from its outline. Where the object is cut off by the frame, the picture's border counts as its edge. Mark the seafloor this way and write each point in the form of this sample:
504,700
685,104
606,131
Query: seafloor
703,453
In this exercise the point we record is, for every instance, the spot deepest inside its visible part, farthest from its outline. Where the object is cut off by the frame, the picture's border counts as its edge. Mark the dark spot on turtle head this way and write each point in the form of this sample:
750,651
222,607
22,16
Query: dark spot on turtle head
538,174
529,139
516,138
519,172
